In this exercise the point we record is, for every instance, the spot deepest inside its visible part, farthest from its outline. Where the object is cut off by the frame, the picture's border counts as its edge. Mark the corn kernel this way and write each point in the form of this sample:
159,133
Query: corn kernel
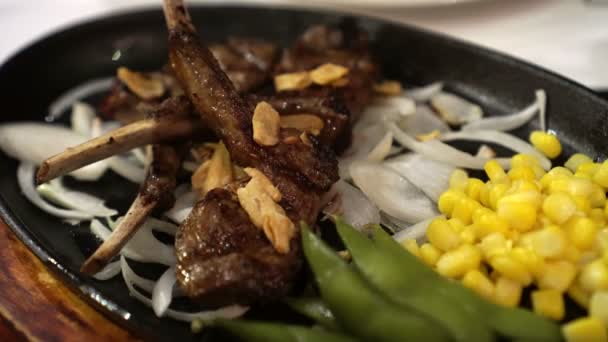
594,276
463,209
581,231
522,172
429,254
520,216
522,159
494,171
548,303
458,262
578,295
488,222
511,268
557,275
442,235
468,234
601,175
583,205
458,180
575,160
496,192
484,195
527,257
559,207
601,241
589,168
538,171
572,254
507,292
528,197
456,224
597,197
479,283
583,175
493,244
522,185
547,143
411,246
473,188
597,215
448,200
549,242
598,306
588,329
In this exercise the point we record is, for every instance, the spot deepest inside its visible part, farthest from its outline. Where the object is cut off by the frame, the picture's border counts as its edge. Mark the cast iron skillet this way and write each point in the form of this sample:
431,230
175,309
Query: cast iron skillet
34,77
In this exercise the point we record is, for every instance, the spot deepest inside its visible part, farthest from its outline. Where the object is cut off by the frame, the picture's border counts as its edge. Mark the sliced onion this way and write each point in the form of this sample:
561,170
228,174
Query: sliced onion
393,224
55,192
354,207
365,138
133,278
542,104
456,110
391,192
227,312
162,294
436,150
416,231
110,271
383,148
183,206
430,176
388,106
500,138
509,122
65,101
424,93
423,121
25,178
127,169
161,226
82,118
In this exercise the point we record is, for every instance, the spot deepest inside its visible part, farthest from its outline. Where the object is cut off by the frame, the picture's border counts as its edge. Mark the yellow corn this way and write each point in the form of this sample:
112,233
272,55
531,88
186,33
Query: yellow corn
527,257
456,224
571,185
478,282
442,235
458,180
448,200
493,244
597,215
559,207
601,175
547,143
589,168
548,303
520,216
557,275
496,192
522,159
511,268
484,194
458,262
463,209
598,306
580,296
529,197
588,329
429,254
601,241
583,205
411,246
488,222
494,171
522,172
581,231
572,254
583,175
507,292
576,160
594,276
549,242
522,185
474,187
597,197
468,234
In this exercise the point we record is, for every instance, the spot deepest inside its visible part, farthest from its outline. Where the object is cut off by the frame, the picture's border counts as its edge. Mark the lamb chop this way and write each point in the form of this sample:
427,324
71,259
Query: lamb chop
223,257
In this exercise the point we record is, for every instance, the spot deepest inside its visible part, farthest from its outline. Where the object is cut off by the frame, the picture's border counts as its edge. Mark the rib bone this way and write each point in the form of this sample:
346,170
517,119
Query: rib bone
171,122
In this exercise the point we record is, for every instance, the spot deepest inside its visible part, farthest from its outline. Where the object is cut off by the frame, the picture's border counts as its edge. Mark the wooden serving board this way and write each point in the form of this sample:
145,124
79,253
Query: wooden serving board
36,306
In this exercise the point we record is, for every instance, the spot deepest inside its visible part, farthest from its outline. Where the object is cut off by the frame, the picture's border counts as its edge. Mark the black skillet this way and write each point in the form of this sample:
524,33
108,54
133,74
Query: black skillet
40,73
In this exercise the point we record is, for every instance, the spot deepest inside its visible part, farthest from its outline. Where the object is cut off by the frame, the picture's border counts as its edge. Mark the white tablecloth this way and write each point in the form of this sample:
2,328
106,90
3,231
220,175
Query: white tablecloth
567,36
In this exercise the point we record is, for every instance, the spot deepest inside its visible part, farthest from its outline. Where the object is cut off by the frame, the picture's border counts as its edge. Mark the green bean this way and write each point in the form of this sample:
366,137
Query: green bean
315,309
417,293
512,323
358,309
277,332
